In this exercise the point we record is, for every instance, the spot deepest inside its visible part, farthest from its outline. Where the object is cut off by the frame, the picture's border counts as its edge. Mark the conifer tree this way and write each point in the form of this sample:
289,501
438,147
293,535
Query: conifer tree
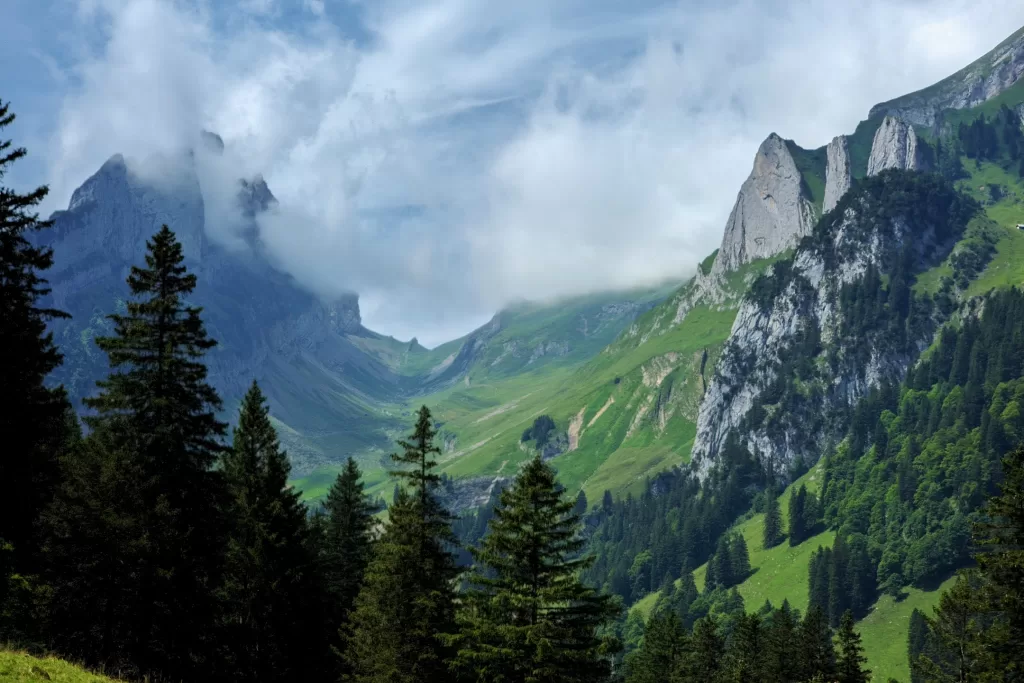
745,660
664,653
267,560
529,617
1001,561
850,658
32,422
347,538
405,611
917,643
772,522
960,633
797,510
581,503
708,651
136,537
816,651
739,558
781,661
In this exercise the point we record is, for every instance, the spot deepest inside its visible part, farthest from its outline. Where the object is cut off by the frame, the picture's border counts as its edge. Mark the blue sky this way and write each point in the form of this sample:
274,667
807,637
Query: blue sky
445,157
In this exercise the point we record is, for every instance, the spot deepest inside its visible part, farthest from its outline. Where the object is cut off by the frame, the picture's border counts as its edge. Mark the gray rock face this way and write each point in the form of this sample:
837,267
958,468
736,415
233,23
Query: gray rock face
771,213
764,333
837,172
895,146
978,83
267,327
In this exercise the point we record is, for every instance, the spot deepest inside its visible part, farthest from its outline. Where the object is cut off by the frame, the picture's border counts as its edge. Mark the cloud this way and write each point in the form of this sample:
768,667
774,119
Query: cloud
445,157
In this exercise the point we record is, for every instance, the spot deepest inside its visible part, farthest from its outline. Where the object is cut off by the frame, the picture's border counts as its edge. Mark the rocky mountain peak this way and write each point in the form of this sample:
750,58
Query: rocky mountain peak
772,211
837,172
895,146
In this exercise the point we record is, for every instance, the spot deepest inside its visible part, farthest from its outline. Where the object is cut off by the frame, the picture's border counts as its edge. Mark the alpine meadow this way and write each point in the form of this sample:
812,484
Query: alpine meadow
798,458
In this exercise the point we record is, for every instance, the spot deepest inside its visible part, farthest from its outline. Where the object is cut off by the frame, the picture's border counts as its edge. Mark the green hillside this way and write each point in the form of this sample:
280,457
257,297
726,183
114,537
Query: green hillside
19,667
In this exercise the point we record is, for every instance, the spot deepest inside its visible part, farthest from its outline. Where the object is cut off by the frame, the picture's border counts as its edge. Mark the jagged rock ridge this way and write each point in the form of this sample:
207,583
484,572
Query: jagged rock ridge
772,211
895,146
986,78
838,177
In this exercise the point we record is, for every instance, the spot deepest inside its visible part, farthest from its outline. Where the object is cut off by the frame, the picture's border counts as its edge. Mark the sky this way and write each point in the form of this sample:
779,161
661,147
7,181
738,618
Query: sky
443,158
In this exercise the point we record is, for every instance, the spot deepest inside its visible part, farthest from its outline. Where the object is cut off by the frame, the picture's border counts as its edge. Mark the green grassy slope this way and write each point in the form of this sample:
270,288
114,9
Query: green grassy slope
780,573
18,667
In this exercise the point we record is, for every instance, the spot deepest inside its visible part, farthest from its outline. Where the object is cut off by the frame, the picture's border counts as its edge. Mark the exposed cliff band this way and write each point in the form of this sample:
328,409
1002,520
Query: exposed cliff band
772,211
895,146
837,172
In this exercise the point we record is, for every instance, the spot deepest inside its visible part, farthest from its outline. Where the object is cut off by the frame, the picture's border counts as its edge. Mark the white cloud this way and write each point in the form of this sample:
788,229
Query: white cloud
470,153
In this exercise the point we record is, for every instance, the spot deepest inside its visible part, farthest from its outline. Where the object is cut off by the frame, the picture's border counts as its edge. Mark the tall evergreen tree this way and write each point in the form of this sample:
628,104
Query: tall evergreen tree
797,523
136,534
32,423
815,650
917,643
529,618
708,651
961,649
850,658
267,560
772,522
406,606
1001,561
663,655
739,557
347,538
745,660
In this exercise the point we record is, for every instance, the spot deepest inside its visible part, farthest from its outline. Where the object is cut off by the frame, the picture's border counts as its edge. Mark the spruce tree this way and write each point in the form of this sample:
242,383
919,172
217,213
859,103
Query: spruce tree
663,655
528,616
33,425
917,643
581,503
267,560
405,611
707,651
347,538
772,522
850,658
745,659
816,652
739,557
136,535
961,637
797,521
781,662
1001,539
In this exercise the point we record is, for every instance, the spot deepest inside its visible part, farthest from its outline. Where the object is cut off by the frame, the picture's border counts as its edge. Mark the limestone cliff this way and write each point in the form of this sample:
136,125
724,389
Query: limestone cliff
981,81
772,211
838,177
796,360
895,146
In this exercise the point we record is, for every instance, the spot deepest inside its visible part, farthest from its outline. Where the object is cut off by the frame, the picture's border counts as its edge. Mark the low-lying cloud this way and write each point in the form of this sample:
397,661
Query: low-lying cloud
445,157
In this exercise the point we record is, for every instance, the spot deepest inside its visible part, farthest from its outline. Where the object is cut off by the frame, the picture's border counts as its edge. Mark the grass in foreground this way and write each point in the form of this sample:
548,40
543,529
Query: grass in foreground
20,667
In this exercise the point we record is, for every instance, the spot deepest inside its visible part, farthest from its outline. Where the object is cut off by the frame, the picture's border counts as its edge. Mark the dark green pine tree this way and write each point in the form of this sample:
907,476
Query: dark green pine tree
745,658
347,538
739,557
581,503
815,650
136,537
707,651
405,611
1001,539
850,659
528,616
963,643
780,661
663,655
917,643
33,423
772,522
797,521
266,560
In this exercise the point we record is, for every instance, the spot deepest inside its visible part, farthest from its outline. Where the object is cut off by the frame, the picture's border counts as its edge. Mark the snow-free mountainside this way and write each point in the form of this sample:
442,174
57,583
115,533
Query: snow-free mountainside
853,341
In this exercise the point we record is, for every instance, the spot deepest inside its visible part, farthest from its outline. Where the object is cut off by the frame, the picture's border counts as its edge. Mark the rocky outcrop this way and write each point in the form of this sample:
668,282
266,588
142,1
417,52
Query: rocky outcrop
837,172
801,323
772,211
981,81
895,146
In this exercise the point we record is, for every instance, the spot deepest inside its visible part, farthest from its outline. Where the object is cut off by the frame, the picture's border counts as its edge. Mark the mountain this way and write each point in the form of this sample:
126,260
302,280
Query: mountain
872,359
334,386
